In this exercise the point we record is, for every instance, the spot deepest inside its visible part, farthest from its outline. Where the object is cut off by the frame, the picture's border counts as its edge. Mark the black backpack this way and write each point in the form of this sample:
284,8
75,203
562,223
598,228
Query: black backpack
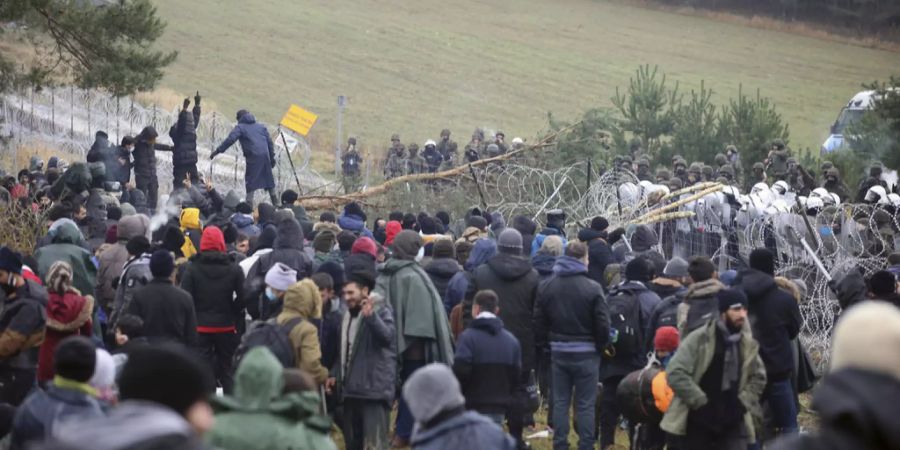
625,318
269,334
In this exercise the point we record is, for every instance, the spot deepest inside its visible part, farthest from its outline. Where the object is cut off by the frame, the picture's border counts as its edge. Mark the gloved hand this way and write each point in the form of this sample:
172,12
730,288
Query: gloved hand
186,104
197,98
212,155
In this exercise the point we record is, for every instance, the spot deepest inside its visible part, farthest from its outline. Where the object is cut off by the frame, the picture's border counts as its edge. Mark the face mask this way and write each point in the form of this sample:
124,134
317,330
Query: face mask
271,295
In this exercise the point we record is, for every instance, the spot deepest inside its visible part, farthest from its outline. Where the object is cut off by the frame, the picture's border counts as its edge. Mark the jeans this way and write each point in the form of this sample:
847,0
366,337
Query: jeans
218,350
405,420
578,372
782,407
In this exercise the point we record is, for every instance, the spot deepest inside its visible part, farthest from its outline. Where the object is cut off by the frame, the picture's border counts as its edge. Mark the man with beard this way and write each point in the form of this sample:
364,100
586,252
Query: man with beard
718,377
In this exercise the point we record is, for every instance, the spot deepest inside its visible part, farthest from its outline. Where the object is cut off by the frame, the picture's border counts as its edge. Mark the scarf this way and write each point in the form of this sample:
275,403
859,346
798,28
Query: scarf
65,383
731,370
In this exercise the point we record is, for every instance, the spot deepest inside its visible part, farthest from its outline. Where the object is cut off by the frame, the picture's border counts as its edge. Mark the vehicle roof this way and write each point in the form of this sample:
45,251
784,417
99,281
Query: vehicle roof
864,99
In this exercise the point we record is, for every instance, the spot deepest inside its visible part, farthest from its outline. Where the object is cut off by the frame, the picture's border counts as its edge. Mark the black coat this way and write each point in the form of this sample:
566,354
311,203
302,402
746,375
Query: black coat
571,307
287,249
488,363
144,153
599,253
441,270
184,137
167,312
775,319
213,280
515,283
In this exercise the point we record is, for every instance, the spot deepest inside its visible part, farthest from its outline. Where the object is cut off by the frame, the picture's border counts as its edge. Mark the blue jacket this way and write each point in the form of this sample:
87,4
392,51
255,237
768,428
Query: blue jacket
354,224
488,363
259,150
245,225
468,430
43,410
539,239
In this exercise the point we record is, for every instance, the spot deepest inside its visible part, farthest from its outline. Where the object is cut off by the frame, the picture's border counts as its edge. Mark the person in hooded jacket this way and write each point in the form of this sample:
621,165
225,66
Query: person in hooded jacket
68,314
22,327
851,401
556,226
259,415
671,287
184,139
700,304
443,267
353,219
113,259
259,150
776,321
599,251
302,305
438,408
167,310
526,228
243,220
511,276
67,244
216,284
144,154
102,152
363,256
135,274
483,250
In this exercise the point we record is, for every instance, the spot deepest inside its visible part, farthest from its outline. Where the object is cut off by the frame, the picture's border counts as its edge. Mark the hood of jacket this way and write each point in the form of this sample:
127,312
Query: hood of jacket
509,267
242,220
147,134
851,289
524,225
706,288
290,235
144,421
133,226
304,299
212,264
756,284
491,325
588,234
788,286
481,253
69,311
66,233
247,118
567,266
394,265
643,239
190,219
543,263
258,380
351,222
231,200
852,401
443,267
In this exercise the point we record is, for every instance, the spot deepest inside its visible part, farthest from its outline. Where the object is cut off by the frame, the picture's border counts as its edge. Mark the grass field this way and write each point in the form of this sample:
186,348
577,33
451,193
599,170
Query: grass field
416,67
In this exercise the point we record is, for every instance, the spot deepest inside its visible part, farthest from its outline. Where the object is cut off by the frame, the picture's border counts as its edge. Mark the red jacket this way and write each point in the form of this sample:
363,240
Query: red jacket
67,315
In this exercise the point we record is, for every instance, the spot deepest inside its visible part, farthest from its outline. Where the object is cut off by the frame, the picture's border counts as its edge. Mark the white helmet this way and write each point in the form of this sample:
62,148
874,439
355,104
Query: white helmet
430,142
836,198
813,203
759,187
894,199
781,187
517,141
876,194
820,192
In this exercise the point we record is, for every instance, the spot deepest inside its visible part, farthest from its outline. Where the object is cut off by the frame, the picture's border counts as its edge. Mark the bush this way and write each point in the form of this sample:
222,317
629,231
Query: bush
750,125
649,108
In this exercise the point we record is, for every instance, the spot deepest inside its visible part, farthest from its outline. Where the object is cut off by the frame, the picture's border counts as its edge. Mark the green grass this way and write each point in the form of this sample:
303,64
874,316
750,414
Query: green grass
416,67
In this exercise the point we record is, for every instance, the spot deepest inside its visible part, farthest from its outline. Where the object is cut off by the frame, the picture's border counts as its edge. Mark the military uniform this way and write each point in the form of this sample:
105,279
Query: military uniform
432,157
351,164
415,163
778,159
447,149
643,170
393,167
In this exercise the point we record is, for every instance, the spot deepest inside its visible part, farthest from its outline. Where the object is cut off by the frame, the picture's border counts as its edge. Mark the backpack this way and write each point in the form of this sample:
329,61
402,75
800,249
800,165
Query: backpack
269,334
625,319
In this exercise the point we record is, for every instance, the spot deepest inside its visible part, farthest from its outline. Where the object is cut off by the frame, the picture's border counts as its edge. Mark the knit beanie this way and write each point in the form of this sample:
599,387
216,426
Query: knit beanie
10,261
667,339
729,298
266,213
444,217
162,264
365,245
137,245
676,268
728,277
112,234
866,338
763,260
510,242
59,277
212,240
168,375
477,222
443,248
407,244
432,390
324,241
638,269
281,277
75,358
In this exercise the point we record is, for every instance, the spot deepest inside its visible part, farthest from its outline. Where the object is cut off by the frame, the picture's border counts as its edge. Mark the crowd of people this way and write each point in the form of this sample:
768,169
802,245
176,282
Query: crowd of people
232,325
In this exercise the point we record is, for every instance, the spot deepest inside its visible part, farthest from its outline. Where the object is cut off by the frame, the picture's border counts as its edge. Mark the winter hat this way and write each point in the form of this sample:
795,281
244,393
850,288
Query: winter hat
365,245
230,233
477,222
324,241
133,225
345,240
729,298
638,269
10,261
127,210
281,277
432,390
162,264
391,229
510,242
266,213
284,214
166,374
212,240
882,283
643,238
552,245
137,245
444,217
59,277
354,209
667,339
676,268
104,370
336,272
443,248
728,277
599,223
866,337
407,244
243,208
763,260
112,234
75,358
498,224
173,239
428,226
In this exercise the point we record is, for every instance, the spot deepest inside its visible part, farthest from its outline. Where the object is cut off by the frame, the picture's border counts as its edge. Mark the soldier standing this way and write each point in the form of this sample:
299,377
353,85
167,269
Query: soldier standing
394,147
447,149
432,157
393,167
351,163
500,140
414,163
778,159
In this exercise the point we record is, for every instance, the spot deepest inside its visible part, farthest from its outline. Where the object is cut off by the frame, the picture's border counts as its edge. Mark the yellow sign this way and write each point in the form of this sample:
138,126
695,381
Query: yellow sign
298,120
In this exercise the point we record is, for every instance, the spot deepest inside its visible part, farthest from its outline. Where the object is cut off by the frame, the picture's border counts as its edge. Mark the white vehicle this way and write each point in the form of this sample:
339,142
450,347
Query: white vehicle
850,114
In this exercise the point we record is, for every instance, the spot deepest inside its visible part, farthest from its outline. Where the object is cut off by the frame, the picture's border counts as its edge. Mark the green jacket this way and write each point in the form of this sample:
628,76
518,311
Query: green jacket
66,245
418,309
690,362
259,416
